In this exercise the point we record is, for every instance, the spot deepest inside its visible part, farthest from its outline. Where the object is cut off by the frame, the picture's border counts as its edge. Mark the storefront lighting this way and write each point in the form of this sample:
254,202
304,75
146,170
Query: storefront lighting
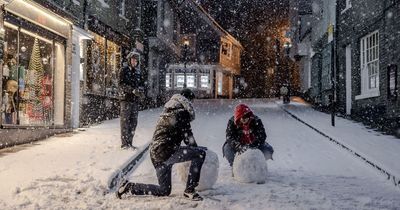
9,25
37,14
36,36
36,8
2,32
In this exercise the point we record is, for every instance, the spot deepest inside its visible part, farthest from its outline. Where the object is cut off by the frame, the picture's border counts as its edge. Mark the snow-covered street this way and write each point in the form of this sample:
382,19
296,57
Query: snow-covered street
308,171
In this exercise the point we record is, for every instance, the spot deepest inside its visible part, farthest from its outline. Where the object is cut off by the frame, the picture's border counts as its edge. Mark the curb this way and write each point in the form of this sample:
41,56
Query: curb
125,169
390,177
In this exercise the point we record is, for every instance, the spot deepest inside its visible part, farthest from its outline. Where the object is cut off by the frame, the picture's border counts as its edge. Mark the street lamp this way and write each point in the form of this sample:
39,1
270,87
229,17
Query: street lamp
286,96
186,44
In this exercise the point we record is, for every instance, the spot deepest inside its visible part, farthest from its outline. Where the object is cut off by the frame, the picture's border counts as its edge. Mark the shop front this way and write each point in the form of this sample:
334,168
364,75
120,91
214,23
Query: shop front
33,72
104,58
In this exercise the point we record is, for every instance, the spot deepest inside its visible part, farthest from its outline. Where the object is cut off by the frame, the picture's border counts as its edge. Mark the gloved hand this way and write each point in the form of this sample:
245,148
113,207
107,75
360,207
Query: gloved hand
243,149
192,141
138,93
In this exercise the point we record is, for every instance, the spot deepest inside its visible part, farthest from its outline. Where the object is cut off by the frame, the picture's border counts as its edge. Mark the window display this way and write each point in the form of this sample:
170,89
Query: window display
113,67
28,78
104,63
96,62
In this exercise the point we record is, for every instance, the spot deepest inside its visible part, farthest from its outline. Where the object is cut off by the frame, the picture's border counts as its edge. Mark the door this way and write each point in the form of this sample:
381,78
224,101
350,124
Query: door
348,80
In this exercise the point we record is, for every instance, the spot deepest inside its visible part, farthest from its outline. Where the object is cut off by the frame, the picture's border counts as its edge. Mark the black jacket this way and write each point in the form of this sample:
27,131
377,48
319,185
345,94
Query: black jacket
172,128
234,133
130,80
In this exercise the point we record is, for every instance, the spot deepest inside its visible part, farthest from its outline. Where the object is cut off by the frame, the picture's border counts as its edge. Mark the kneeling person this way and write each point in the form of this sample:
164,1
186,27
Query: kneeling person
245,130
172,128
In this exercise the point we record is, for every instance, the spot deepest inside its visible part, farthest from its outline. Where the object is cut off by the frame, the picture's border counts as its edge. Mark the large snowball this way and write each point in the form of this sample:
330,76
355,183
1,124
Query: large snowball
208,174
250,167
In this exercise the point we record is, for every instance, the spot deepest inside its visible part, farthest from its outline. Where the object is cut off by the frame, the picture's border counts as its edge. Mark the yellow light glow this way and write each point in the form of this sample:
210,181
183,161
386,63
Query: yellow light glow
38,8
9,25
36,36
186,42
37,14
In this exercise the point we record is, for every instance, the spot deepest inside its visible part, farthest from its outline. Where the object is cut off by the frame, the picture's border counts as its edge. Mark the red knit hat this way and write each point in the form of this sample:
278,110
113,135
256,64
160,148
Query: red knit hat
240,111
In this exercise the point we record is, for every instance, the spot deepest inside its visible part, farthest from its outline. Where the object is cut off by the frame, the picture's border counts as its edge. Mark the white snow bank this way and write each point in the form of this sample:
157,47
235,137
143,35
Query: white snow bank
208,174
250,167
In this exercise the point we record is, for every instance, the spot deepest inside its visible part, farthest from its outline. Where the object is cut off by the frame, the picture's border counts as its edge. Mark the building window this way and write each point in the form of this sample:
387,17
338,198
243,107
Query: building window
369,56
33,78
326,80
191,80
226,49
220,77
104,63
113,57
180,80
122,8
168,80
205,81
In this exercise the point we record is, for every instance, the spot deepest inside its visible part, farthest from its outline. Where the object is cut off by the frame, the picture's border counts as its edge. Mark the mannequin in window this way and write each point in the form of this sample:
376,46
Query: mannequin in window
10,112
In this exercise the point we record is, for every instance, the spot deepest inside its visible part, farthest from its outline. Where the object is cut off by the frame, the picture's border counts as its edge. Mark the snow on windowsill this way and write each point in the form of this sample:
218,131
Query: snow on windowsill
103,4
123,17
345,9
369,94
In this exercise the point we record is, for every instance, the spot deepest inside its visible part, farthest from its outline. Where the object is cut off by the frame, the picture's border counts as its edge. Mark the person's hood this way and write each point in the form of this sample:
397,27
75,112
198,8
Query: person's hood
178,101
240,111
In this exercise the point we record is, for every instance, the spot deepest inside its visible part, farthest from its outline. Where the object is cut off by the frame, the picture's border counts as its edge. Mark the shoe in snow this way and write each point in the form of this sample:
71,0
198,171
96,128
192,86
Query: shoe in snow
122,189
128,147
194,196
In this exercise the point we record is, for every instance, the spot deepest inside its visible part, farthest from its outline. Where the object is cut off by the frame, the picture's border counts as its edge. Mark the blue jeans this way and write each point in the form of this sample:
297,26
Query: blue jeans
186,153
229,152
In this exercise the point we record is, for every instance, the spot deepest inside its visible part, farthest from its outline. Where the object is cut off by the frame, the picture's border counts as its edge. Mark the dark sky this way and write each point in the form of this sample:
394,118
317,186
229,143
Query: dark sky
256,24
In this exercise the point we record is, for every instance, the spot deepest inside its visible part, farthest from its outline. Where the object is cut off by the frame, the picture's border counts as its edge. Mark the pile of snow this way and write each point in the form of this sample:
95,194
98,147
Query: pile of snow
250,167
208,174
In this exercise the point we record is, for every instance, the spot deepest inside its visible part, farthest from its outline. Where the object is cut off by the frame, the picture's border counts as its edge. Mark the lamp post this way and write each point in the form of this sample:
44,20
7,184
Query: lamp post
286,97
185,49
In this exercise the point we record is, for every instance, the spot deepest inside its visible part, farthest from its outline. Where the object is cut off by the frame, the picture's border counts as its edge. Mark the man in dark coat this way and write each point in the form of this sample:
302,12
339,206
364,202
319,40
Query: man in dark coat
245,130
172,128
131,91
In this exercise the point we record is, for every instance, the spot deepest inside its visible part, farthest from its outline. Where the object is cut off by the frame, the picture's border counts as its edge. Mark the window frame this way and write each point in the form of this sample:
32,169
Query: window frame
122,9
177,75
194,80
168,80
202,85
228,51
369,65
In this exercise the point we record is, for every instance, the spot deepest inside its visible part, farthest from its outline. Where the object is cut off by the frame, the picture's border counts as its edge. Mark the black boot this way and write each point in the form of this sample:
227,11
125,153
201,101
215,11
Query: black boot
194,196
123,188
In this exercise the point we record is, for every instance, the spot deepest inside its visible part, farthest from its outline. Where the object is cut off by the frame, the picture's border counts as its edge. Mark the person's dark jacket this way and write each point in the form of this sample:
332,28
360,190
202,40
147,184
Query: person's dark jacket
172,128
130,84
234,133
